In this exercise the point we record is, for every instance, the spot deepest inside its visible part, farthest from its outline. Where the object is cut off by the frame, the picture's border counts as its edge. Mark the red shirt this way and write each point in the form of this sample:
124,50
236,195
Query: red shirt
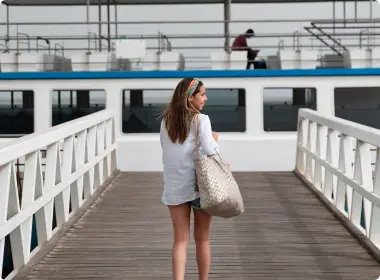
239,43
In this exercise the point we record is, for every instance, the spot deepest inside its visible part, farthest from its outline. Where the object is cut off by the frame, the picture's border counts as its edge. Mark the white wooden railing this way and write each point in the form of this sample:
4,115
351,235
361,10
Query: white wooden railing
334,157
70,177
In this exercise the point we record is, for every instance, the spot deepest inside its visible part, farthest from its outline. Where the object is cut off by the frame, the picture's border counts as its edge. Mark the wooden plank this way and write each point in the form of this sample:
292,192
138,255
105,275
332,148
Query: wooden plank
285,233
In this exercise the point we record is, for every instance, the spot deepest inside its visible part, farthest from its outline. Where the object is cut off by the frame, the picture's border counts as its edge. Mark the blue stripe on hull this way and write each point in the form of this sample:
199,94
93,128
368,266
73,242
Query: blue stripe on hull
327,72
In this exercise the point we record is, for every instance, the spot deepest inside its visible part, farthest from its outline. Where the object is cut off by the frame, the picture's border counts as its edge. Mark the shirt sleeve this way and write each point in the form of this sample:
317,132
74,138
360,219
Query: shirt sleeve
208,144
244,42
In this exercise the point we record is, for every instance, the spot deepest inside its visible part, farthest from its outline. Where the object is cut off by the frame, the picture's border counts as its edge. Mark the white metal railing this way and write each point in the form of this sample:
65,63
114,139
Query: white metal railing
334,156
70,177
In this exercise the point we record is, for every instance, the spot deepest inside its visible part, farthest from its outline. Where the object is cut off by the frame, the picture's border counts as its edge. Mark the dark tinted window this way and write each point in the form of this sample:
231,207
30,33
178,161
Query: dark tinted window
281,107
142,108
16,113
72,104
360,105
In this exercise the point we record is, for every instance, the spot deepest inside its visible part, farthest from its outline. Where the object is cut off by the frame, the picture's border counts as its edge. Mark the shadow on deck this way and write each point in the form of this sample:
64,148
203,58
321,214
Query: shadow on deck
285,233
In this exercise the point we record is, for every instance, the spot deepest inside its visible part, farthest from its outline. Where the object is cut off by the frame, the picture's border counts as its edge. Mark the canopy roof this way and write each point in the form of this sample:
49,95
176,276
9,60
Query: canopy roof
147,2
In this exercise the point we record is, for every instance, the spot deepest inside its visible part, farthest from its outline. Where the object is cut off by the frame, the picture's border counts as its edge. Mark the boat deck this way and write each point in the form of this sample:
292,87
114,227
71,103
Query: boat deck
285,233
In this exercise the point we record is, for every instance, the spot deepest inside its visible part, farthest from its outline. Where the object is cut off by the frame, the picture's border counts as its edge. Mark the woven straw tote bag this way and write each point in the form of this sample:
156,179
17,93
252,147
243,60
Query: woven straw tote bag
219,192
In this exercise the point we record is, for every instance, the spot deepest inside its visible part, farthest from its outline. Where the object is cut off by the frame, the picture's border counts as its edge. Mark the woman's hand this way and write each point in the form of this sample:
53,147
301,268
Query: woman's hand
215,135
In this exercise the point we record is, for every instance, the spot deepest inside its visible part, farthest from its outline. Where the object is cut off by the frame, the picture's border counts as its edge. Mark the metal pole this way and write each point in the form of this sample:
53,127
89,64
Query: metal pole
334,17
371,21
7,21
227,18
100,24
115,18
280,21
108,25
344,13
356,10
88,24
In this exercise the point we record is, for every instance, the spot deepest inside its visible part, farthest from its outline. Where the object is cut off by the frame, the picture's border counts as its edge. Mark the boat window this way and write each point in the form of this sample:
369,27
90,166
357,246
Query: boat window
281,107
358,104
16,113
69,105
141,109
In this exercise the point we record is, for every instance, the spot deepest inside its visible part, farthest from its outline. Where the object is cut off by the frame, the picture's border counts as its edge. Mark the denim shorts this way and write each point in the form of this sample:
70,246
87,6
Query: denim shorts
196,203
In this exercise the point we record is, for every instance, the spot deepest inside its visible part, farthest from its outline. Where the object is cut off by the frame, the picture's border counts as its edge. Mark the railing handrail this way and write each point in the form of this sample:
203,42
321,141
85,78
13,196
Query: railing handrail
95,41
296,40
281,44
32,142
6,50
361,34
47,41
155,22
18,40
102,44
57,47
361,132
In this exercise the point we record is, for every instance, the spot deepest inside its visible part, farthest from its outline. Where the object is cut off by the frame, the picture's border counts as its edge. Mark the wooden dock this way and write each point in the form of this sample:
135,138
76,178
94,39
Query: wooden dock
285,233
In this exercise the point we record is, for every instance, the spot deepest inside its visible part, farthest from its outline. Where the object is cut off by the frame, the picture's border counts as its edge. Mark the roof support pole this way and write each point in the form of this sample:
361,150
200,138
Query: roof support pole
371,22
344,13
100,24
88,25
114,1
7,21
333,17
227,19
108,26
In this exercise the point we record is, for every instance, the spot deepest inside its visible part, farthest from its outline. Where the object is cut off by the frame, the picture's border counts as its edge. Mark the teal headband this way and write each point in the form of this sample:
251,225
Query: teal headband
192,87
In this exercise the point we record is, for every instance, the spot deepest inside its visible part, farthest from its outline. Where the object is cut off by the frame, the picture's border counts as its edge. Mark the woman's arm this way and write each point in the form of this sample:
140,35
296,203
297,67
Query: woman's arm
205,137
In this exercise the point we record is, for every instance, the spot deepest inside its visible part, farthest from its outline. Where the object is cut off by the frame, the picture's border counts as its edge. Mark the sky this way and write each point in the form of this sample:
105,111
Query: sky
299,11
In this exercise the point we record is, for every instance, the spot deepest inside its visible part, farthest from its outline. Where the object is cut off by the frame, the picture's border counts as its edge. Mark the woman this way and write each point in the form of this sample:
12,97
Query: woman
177,138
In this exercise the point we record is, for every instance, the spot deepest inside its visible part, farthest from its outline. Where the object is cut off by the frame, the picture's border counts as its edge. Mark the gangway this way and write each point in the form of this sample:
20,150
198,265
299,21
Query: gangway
111,224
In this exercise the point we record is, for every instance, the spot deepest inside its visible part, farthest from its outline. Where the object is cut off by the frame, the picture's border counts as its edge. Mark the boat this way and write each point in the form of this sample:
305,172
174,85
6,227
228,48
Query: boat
255,111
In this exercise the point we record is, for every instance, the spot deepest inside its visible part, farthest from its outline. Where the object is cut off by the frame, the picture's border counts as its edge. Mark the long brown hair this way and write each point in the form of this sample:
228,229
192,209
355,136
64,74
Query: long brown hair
179,114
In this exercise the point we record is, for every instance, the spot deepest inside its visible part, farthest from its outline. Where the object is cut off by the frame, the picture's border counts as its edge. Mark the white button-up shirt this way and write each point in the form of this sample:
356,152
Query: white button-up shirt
178,160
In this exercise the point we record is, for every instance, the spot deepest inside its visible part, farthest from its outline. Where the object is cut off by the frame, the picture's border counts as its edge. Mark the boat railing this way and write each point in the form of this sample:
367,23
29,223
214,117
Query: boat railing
163,43
6,48
281,44
44,47
315,31
330,41
105,46
362,37
338,161
92,38
59,48
315,35
296,40
96,43
24,35
47,177
333,31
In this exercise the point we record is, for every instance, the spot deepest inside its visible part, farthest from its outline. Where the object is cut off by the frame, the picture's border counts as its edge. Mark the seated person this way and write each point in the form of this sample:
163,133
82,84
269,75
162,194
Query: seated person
240,44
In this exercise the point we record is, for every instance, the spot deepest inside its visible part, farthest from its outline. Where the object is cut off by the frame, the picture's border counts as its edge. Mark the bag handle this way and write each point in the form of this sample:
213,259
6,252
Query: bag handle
196,134
196,148
196,138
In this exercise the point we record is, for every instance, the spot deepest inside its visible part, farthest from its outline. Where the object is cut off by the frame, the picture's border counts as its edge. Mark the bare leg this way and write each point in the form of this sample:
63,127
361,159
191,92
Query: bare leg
181,224
202,222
